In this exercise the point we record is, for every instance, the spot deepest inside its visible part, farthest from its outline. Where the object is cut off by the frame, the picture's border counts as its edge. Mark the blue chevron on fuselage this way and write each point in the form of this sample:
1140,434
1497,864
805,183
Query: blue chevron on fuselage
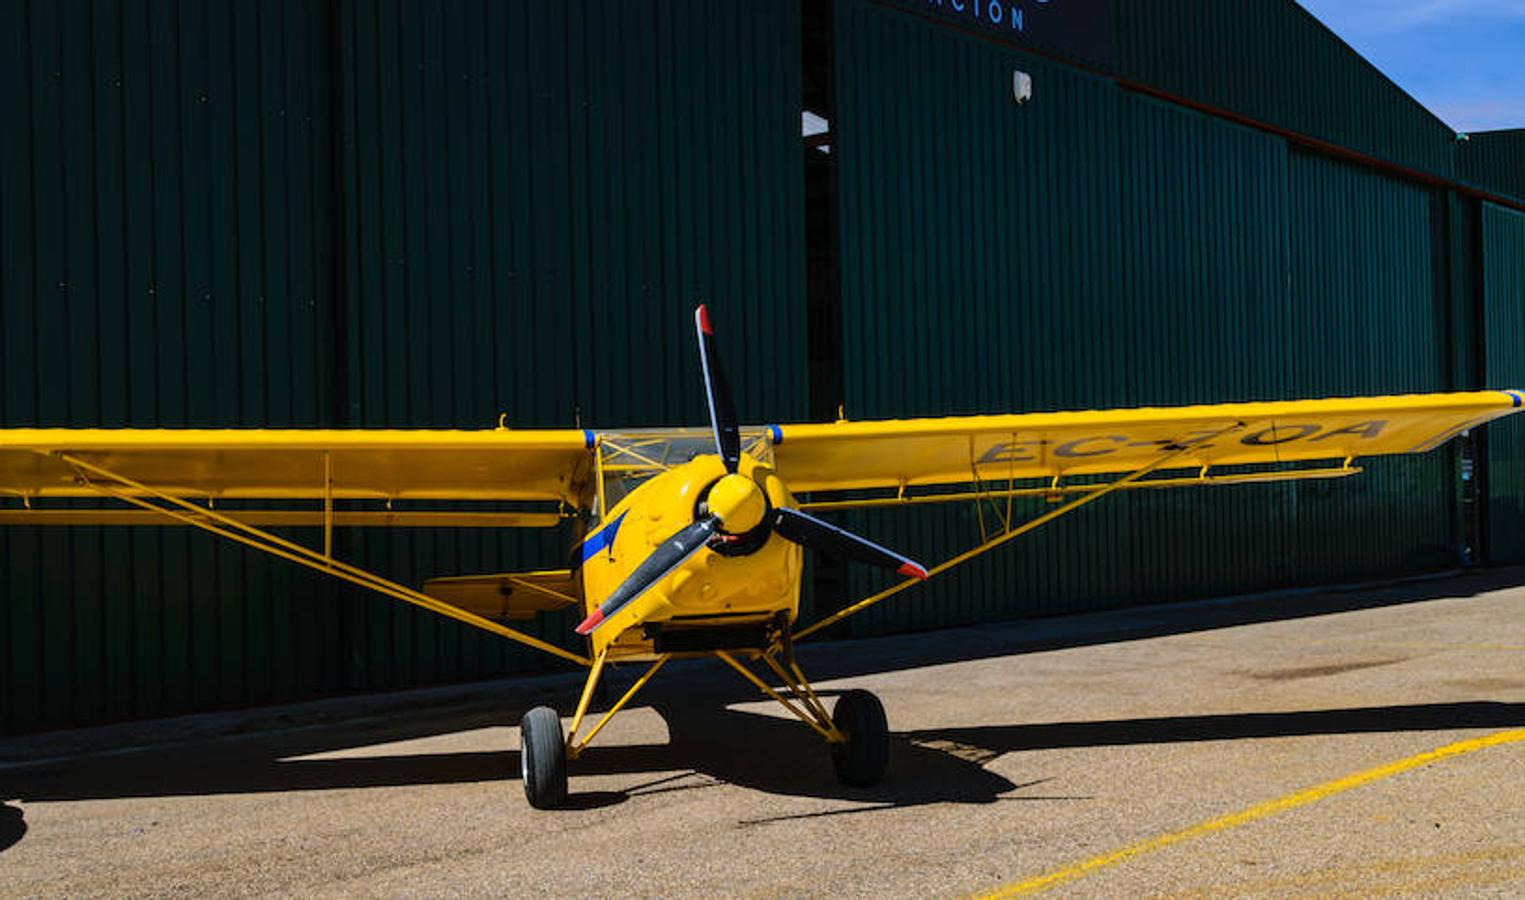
598,541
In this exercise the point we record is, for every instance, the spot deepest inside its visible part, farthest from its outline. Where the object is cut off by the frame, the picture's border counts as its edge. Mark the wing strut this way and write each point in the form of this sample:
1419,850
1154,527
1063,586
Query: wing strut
112,484
1094,494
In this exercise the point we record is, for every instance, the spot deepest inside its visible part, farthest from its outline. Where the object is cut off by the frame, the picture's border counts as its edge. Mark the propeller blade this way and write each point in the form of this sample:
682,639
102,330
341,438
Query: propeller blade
718,392
808,531
668,556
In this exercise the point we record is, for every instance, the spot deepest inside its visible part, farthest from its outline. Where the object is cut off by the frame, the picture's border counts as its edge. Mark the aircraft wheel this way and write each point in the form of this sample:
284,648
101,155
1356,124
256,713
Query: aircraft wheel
543,758
861,761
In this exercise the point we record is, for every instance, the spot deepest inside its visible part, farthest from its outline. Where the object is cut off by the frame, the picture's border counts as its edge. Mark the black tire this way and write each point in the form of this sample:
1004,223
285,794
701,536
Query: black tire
543,758
861,761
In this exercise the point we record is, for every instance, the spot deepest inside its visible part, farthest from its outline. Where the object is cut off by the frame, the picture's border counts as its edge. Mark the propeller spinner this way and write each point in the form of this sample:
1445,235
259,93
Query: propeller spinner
735,505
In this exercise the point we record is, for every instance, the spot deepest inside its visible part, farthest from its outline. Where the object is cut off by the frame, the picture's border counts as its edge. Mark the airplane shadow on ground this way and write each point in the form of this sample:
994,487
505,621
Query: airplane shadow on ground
1234,727
12,826
707,744
710,744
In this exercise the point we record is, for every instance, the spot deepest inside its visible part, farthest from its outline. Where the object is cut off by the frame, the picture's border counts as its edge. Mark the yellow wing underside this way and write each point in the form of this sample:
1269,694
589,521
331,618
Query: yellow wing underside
289,464
924,452
558,466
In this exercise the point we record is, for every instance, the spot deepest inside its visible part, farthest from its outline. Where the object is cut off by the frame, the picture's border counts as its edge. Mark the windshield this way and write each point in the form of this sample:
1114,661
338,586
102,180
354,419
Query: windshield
628,458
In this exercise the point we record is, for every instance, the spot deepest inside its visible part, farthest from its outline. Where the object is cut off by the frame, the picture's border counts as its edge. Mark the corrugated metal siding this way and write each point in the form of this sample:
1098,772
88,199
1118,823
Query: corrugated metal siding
525,203
531,197
953,201
1494,160
1096,249
1274,62
541,193
163,209
1367,315
1504,311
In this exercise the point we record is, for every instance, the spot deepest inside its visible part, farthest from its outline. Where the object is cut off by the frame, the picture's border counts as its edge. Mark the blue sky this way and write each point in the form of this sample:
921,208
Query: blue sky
1464,59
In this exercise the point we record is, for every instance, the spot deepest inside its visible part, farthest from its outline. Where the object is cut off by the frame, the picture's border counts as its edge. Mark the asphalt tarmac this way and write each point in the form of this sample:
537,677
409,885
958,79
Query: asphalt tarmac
1283,745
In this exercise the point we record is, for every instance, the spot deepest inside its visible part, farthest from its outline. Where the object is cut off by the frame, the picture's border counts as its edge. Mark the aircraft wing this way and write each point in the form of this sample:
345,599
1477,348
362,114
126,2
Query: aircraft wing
963,450
436,465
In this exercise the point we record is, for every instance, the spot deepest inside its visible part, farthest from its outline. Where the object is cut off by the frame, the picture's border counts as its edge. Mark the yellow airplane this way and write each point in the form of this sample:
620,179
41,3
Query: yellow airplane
690,540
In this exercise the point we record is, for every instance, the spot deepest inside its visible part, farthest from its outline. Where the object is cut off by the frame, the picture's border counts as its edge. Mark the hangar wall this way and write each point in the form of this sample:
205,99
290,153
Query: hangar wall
1504,306
1278,65
1494,159
406,212
163,224
397,213
1098,247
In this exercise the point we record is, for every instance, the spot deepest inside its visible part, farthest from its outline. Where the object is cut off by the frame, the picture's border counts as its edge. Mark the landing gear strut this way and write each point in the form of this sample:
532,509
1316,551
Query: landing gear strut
855,728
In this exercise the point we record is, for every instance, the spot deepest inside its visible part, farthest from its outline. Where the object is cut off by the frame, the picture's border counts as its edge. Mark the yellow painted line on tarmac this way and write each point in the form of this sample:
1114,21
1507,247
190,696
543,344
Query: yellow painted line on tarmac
1260,811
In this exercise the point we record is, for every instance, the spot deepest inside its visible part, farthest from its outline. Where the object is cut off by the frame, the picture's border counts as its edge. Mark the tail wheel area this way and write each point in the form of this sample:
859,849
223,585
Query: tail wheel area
861,759
543,758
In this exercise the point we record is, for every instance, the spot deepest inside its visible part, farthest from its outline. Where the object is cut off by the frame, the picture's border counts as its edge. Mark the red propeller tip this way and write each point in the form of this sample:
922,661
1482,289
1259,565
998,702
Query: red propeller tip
912,570
704,320
591,622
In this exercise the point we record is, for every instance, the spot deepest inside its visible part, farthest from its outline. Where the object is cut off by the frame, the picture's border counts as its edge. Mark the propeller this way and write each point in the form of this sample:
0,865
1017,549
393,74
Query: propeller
808,531
736,505
717,392
663,561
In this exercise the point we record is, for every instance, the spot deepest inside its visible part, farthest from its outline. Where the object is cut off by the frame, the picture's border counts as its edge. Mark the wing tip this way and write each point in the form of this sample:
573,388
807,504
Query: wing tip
702,317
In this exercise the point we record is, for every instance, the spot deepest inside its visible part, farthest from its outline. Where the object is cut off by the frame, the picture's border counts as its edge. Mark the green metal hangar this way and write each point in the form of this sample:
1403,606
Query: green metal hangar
411,213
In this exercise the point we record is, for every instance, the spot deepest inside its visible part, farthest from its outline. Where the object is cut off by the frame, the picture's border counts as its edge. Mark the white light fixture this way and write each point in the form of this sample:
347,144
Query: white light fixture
1021,86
